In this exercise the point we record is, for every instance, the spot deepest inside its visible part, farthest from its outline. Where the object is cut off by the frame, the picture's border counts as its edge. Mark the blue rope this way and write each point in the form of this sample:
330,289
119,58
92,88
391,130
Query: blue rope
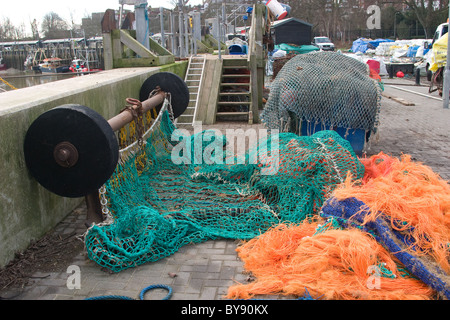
157,286
141,295
347,212
427,271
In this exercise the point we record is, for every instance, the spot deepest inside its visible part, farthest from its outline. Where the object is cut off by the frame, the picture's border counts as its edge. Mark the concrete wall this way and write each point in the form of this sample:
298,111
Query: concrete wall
27,210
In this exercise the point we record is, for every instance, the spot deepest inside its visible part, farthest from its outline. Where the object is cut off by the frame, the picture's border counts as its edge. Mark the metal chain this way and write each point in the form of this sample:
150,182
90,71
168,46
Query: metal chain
104,202
138,117
169,106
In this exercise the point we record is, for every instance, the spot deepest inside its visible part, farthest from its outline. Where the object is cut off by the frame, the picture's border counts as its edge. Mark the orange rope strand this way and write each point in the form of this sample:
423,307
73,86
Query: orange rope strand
410,192
333,264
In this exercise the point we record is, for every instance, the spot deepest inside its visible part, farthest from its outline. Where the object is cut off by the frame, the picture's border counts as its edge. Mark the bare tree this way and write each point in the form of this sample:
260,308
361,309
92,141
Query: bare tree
429,13
20,31
34,30
8,31
53,26
329,17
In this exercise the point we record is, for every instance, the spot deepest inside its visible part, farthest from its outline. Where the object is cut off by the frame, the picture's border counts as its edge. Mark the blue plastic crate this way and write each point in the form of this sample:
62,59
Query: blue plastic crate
356,137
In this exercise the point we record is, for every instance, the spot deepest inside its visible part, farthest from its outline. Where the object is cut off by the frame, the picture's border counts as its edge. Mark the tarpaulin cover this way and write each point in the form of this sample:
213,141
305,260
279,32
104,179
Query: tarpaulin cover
296,49
439,57
363,44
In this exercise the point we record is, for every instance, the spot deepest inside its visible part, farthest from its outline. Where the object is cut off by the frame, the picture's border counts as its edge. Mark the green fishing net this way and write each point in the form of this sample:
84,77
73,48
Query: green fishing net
155,203
328,89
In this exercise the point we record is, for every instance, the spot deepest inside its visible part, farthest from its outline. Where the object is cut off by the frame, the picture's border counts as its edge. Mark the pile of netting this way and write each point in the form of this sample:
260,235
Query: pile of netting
386,236
323,88
177,189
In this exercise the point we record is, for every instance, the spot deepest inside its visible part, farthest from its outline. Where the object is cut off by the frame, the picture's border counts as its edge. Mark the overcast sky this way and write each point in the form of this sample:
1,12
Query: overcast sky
24,11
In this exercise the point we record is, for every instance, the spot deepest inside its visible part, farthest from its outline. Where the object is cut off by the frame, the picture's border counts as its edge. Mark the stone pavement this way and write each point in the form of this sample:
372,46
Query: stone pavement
205,271
421,130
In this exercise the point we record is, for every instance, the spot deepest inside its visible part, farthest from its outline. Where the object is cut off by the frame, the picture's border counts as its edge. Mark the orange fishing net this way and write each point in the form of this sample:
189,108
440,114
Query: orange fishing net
414,199
377,165
333,264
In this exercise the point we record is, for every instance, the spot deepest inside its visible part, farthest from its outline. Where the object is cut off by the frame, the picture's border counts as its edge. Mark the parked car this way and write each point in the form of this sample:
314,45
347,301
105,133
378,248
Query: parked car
323,43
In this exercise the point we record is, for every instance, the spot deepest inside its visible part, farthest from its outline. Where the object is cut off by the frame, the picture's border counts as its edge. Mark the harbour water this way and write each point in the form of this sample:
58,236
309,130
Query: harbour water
15,79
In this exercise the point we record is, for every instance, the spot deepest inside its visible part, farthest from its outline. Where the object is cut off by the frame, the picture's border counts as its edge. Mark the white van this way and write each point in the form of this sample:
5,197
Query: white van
440,31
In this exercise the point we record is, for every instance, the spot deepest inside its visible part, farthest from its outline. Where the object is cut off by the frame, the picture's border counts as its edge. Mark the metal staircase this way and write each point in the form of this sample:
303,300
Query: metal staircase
193,79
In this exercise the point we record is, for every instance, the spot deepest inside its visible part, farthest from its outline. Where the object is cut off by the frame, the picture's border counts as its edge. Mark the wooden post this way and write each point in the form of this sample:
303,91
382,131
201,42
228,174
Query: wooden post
107,51
256,58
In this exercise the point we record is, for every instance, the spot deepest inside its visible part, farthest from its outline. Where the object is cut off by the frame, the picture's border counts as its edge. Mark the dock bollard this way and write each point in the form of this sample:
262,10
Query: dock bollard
418,77
391,71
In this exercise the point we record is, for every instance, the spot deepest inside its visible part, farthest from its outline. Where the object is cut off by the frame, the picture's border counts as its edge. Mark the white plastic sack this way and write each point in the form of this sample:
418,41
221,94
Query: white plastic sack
279,54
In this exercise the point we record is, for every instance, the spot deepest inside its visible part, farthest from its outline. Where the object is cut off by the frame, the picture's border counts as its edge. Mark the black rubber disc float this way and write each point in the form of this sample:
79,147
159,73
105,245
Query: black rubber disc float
168,82
71,150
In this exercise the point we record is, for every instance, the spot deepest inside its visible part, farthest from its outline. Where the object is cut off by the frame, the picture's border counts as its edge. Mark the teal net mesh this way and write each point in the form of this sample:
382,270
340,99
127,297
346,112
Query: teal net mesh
328,89
155,205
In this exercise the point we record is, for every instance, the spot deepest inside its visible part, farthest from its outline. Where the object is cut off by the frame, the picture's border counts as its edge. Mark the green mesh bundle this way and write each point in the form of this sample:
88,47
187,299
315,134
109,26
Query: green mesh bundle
156,206
323,88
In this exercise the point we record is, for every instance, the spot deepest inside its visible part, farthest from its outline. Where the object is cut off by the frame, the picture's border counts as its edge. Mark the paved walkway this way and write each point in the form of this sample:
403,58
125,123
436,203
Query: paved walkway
205,271
421,130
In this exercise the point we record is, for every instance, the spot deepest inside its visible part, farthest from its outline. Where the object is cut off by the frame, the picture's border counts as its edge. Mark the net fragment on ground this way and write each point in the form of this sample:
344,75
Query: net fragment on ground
158,206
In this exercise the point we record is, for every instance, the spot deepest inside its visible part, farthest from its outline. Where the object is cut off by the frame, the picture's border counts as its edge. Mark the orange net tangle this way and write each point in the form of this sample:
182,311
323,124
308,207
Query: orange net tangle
412,197
333,264
385,236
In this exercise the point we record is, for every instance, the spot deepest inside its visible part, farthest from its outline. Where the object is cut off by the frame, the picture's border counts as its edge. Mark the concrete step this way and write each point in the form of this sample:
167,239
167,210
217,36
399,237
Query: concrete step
235,84
188,112
234,75
238,93
234,103
235,62
237,113
185,118
235,67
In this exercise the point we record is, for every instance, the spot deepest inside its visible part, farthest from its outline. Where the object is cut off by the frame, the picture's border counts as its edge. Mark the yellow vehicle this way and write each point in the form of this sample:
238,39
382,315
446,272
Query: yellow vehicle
438,59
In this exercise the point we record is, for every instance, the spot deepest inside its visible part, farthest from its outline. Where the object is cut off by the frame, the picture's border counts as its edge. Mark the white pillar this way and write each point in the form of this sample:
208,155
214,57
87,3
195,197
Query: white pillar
161,17
446,88
142,28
